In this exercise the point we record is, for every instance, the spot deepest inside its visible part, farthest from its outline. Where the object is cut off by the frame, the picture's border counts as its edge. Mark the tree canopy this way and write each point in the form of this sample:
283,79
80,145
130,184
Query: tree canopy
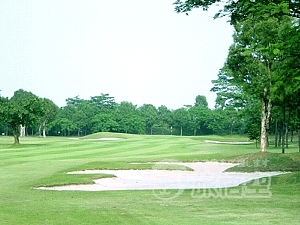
22,109
240,10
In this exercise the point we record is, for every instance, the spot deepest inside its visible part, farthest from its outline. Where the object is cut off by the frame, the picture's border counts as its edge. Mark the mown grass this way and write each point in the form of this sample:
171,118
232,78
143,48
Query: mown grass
39,161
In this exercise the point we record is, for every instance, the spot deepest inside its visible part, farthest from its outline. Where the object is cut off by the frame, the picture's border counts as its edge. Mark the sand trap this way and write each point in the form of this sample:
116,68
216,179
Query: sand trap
230,143
103,139
205,175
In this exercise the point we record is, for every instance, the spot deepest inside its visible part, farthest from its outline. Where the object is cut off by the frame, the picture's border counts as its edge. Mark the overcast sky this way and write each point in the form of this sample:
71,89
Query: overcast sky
139,51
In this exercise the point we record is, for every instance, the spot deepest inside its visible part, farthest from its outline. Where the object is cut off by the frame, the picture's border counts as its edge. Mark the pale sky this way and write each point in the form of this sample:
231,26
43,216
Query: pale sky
139,51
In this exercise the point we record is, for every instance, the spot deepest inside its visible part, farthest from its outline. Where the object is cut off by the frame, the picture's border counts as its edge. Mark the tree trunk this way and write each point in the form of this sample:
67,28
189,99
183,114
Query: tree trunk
282,141
44,128
283,131
265,115
44,132
22,130
299,139
16,133
286,136
287,130
279,138
6,131
269,107
276,133
292,134
181,131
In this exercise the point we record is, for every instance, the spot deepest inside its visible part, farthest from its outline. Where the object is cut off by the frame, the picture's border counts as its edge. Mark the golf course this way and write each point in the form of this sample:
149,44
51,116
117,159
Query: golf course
46,162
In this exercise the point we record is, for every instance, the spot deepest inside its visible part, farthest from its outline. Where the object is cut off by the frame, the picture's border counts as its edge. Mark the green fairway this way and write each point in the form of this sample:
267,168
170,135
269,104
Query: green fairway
45,161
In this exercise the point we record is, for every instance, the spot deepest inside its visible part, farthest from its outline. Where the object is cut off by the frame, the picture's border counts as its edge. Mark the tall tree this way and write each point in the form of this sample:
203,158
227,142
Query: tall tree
252,59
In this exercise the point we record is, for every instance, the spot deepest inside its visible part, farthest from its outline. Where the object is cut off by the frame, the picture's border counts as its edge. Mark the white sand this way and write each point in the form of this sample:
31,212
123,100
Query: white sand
230,143
205,175
104,139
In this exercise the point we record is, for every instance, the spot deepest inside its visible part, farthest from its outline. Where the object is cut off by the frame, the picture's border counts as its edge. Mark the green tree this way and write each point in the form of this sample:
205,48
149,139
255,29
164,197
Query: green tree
198,118
164,117
216,121
68,122
243,9
229,92
49,113
103,101
104,122
287,79
181,118
252,58
149,113
22,109
201,101
86,111
129,119
3,123
253,133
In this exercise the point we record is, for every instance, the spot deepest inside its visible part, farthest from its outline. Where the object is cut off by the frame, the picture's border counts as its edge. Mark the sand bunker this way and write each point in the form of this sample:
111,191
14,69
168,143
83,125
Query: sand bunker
104,139
205,175
230,143
97,139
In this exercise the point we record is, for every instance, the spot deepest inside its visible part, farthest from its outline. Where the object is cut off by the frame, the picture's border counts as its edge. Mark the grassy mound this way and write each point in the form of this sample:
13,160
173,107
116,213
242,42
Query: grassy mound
109,135
265,162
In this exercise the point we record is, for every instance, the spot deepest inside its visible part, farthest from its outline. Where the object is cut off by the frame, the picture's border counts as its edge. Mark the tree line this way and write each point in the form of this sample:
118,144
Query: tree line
40,116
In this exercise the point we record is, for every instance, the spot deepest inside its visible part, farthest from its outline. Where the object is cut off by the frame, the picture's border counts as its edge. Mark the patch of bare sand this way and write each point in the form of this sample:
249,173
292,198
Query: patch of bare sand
230,142
205,175
103,139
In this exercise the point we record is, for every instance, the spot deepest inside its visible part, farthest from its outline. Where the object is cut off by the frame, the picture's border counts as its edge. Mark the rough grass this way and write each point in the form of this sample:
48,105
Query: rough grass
267,162
39,161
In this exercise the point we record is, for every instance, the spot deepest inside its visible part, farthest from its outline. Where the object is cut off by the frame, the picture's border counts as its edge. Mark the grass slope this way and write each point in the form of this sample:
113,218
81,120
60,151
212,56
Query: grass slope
39,161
